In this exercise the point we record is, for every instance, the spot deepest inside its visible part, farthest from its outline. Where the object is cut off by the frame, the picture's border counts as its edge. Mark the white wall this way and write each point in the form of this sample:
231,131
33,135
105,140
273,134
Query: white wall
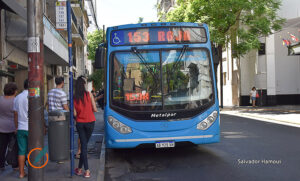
276,71
271,71
287,67
227,67
290,9
248,76
90,69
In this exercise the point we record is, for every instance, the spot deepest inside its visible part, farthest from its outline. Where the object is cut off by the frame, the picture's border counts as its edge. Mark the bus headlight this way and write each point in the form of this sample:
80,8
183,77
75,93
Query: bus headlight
206,123
117,125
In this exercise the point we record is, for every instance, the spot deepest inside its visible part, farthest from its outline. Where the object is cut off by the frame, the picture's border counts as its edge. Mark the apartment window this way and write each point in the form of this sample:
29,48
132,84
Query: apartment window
224,78
74,54
262,49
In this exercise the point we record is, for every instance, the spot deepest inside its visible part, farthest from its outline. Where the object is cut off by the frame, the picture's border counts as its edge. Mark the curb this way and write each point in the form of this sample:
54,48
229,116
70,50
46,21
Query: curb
259,109
101,171
264,119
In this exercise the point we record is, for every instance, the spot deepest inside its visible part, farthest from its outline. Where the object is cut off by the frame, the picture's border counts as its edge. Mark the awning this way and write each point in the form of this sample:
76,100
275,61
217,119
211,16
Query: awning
6,74
294,49
56,47
13,5
3,5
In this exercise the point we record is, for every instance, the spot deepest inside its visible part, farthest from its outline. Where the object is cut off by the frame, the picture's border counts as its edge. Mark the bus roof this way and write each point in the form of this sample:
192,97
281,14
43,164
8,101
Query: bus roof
157,24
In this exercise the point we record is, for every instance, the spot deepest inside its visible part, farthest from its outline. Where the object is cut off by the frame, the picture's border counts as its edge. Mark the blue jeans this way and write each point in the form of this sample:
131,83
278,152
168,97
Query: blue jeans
85,131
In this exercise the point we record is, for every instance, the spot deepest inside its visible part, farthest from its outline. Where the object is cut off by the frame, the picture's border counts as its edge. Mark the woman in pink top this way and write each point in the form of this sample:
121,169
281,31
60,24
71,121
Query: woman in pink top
84,108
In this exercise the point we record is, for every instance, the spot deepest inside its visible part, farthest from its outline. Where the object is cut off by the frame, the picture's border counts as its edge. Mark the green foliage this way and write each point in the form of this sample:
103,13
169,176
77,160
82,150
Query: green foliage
175,78
97,78
141,19
94,39
240,22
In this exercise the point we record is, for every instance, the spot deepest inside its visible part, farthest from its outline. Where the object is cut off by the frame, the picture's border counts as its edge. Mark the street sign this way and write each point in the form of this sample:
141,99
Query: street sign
61,15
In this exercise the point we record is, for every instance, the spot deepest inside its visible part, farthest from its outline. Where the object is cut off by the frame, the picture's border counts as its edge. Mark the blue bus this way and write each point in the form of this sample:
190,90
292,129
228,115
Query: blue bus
160,87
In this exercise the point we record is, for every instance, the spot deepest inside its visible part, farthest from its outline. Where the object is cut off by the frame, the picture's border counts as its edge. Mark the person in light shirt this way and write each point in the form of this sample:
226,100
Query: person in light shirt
21,123
253,96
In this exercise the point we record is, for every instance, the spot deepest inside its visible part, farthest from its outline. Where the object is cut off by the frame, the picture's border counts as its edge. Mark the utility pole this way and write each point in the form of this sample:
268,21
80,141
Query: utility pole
35,49
70,87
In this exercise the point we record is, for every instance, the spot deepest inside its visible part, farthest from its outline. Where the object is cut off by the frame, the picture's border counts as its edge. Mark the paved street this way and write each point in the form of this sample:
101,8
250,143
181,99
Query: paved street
249,150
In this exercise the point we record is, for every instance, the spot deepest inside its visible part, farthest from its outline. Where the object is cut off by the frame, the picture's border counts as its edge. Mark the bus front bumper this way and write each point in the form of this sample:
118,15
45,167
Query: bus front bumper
134,142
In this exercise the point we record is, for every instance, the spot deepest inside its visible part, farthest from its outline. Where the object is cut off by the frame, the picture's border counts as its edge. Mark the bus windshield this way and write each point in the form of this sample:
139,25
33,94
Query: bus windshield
172,79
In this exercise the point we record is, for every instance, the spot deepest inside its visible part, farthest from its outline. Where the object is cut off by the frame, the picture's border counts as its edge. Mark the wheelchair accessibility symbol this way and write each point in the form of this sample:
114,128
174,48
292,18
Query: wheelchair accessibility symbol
116,40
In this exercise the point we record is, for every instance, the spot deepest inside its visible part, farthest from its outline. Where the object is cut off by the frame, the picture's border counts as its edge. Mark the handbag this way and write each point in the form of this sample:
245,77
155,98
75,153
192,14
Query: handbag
257,95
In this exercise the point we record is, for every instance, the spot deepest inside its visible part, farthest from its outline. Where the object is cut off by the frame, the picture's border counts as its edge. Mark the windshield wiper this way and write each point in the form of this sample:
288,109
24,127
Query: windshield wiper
144,62
177,61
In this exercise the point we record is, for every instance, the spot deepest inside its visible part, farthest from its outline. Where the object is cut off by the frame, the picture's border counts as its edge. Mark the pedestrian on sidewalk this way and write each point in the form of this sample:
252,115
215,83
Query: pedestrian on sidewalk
57,98
21,123
100,99
7,126
84,108
253,96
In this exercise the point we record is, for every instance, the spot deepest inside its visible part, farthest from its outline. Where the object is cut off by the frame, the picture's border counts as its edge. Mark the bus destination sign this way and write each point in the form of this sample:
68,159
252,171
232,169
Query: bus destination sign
158,35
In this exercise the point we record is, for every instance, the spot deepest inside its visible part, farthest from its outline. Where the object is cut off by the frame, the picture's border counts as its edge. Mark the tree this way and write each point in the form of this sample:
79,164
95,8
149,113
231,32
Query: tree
97,78
95,38
232,20
238,22
141,19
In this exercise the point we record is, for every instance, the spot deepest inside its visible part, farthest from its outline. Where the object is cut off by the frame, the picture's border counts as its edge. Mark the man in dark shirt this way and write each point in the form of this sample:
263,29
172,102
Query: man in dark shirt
100,99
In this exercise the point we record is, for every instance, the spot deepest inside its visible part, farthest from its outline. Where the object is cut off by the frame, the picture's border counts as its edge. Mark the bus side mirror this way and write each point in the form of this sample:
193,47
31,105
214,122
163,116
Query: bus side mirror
100,57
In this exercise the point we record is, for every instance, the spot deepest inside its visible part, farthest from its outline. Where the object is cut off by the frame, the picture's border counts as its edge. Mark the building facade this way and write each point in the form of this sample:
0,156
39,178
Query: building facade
271,70
92,14
14,61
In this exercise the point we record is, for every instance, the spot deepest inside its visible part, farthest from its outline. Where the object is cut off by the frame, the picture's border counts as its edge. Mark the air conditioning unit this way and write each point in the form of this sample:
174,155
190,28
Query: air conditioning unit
59,70
86,72
64,69
53,70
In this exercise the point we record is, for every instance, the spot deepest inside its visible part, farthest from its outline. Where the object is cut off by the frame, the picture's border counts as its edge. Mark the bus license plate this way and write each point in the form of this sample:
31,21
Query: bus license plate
165,144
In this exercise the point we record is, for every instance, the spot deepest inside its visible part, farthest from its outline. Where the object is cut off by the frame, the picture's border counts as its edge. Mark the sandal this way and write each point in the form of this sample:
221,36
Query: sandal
25,175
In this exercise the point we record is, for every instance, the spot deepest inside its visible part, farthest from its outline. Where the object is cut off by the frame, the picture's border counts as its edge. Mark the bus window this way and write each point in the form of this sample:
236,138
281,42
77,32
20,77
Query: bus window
187,81
135,79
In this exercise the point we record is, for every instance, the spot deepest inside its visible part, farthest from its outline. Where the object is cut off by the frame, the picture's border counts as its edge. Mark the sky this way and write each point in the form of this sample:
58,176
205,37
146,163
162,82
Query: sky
119,12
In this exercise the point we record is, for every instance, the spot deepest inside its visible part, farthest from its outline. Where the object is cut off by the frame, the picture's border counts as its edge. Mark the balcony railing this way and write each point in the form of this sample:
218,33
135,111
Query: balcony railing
74,18
80,2
48,24
81,32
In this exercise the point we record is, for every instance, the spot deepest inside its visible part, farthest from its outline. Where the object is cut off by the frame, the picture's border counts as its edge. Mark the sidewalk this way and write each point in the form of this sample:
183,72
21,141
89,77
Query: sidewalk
61,172
281,114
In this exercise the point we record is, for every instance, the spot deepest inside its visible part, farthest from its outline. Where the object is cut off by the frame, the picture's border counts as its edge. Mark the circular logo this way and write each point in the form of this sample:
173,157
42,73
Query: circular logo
28,157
